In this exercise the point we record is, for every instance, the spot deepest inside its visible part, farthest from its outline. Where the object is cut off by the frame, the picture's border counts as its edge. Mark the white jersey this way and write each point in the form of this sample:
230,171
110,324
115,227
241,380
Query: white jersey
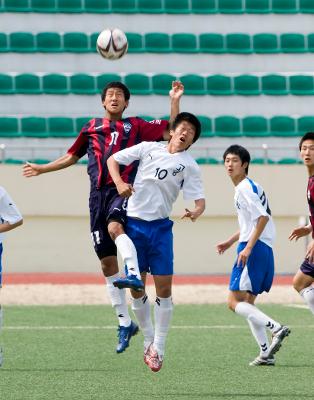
159,178
251,203
8,211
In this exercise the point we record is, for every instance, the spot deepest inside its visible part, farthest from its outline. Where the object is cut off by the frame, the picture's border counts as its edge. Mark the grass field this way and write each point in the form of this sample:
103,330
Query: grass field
67,352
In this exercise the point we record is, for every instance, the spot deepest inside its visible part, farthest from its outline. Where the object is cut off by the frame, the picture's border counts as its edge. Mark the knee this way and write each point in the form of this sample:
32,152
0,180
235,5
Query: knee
231,304
115,229
164,293
297,285
109,266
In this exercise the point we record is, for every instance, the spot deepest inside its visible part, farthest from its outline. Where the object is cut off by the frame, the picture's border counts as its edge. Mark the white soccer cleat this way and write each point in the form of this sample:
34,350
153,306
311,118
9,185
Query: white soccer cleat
263,361
277,339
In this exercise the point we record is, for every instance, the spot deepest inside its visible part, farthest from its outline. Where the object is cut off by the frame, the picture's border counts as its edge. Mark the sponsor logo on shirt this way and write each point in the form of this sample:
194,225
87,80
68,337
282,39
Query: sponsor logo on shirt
180,168
155,121
99,127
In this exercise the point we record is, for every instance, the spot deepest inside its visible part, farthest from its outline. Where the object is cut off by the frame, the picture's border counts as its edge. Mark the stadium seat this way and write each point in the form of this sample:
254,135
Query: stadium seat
211,43
39,160
207,160
55,84
70,6
123,6
262,161
146,117
305,124
310,42
255,126
104,79
43,6
135,41
292,43
274,85
288,160
48,42
284,6
161,83
61,127
193,84
22,42
265,43
227,126
219,85
230,6
206,125
27,84
16,5
246,85
82,84
9,127
138,84
156,42
307,6
301,85
4,47
184,43
97,6
34,127
80,122
76,42
203,6
238,43
282,126
177,6
257,6
150,6
6,84
14,161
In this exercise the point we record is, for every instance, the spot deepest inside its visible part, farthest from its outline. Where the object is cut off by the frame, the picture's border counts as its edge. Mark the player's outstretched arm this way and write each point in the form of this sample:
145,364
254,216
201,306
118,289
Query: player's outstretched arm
175,94
223,246
124,189
31,169
198,210
6,227
297,233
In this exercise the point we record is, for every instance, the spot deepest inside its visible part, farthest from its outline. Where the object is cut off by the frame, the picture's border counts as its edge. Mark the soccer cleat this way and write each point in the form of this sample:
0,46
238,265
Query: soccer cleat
124,334
131,282
147,354
154,360
262,361
277,338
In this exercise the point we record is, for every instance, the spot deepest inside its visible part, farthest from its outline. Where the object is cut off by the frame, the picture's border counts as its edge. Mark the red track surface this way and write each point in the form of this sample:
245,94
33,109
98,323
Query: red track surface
97,279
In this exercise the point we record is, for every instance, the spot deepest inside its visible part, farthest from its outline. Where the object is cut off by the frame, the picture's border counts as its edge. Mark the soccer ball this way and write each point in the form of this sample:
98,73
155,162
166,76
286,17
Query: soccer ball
112,44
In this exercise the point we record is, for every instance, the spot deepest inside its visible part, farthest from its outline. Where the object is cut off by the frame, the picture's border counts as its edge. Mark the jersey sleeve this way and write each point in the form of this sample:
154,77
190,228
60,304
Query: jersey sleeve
8,210
152,131
130,154
79,147
254,204
192,184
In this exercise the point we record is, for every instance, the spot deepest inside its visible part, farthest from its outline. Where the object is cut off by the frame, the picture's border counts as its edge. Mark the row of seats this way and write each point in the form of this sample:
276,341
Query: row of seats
158,42
261,160
159,84
160,6
223,126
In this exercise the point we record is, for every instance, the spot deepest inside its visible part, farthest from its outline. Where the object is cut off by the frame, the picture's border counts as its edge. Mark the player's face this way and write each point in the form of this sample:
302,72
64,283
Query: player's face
183,135
234,167
115,102
307,152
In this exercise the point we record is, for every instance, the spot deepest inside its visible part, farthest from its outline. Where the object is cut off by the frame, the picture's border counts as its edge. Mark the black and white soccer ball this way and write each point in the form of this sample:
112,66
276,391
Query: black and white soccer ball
112,44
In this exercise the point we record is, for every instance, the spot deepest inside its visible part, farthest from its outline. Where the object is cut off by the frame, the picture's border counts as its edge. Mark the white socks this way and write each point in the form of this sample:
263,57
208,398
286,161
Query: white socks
141,309
128,253
260,335
308,296
252,313
118,301
163,313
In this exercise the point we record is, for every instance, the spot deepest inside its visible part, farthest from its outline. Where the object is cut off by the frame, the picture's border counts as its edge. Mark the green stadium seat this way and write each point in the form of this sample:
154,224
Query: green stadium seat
193,84
55,84
177,6
206,124
14,161
257,6
22,42
123,6
184,43
97,6
150,6
80,122
211,43
27,84
203,6
305,124
292,43
9,127
227,126
301,85
238,43
310,42
4,47
34,127
288,160
93,41
207,160
138,84
262,161
255,126
39,160
162,83
44,6
274,85
61,127
135,41
307,6
284,6
16,5
156,42
284,126
219,85
70,6
246,85
76,42
146,117
104,79
6,84
48,42
82,84
230,6
265,43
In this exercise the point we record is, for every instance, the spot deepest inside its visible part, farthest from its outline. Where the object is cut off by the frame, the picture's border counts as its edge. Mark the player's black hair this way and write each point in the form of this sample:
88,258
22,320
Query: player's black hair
241,152
307,136
118,85
192,119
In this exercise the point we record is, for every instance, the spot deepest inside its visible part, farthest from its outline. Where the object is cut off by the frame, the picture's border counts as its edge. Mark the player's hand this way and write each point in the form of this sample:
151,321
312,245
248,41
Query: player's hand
222,247
310,252
193,215
177,90
30,169
125,189
300,232
243,257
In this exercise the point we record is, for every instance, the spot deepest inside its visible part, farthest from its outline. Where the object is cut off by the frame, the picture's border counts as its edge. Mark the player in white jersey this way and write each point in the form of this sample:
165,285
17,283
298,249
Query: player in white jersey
163,171
10,218
253,270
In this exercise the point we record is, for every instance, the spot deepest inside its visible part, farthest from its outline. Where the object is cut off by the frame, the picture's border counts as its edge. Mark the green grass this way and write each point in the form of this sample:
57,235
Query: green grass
200,363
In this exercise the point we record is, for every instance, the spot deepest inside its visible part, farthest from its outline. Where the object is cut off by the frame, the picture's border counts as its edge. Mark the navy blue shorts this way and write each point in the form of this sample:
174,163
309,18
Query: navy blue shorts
105,205
307,268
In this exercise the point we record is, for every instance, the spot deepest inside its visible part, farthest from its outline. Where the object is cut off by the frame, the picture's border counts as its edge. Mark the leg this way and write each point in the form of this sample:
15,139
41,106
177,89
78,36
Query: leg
303,284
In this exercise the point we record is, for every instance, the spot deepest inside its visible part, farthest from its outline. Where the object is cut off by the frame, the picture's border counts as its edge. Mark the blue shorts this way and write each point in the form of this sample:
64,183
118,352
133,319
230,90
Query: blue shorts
257,276
1,248
154,244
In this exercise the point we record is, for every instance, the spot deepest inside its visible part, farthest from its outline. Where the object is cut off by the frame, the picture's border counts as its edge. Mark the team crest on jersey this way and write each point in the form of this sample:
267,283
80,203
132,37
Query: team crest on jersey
127,127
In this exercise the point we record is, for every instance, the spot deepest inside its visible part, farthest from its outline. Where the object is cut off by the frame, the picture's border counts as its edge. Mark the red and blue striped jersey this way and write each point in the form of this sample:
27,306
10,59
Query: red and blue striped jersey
101,137
310,200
